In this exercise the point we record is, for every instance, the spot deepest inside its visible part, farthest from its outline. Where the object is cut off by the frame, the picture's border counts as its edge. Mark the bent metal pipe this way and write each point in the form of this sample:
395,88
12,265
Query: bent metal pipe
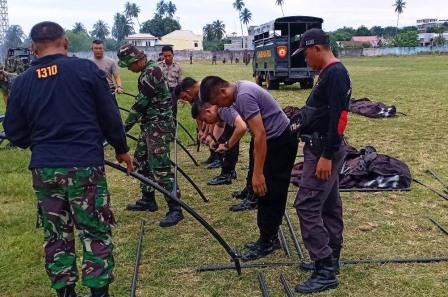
195,186
231,252
212,268
138,256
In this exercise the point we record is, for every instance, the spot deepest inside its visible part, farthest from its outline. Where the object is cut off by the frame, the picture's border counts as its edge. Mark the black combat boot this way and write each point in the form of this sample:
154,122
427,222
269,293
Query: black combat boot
322,279
309,266
68,291
259,249
222,179
248,203
100,292
240,194
213,156
173,216
146,203
215,164
253,244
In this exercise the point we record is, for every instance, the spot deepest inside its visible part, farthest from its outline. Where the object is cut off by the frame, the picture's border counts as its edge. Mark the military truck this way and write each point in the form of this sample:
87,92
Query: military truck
274,42
18,59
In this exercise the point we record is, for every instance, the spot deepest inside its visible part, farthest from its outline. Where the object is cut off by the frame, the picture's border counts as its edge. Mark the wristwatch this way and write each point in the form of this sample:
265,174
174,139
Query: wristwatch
226,145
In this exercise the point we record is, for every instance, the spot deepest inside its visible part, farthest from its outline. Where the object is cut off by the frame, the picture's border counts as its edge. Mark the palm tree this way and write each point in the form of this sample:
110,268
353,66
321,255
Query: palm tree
280,3
245,17
131,10
14,36
161,8
209,32
399,6
122,27
239,5
219,29
100,30
78,28
171,9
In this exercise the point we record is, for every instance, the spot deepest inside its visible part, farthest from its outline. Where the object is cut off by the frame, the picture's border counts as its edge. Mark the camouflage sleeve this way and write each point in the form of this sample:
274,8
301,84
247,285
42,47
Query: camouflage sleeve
151,80
149,84
137,111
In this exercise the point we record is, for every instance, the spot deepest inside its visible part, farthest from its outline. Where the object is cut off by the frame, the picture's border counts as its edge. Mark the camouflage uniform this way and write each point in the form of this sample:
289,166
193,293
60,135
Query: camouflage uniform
6,83
69,197
152,108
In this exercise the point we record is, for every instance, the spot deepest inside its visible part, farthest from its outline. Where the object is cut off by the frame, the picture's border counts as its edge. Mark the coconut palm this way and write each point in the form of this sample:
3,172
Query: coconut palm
245,17
122,27
239,5
209,32
161,8
100,30
171,9
14,36
280,3
78,28
131,10
399,6
219,29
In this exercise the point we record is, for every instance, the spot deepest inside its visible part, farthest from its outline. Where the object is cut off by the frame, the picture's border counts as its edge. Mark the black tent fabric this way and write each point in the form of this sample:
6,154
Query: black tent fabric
367,169
368,108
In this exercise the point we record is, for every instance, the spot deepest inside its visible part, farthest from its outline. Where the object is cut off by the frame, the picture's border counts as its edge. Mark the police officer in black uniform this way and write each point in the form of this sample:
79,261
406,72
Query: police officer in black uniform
323,122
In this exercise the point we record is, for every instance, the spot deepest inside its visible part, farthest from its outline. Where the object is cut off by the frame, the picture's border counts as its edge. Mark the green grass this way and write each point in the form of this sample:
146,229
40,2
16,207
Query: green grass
416,85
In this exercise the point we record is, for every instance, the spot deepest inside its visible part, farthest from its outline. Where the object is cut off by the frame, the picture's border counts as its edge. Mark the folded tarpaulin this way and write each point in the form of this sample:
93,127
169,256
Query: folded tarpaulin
367,169
368,108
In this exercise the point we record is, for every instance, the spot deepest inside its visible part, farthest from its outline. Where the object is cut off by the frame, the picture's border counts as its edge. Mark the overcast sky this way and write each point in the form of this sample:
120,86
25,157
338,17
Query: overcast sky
194,14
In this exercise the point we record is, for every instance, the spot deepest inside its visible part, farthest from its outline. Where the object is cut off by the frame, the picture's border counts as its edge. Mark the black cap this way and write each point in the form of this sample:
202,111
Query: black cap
312,37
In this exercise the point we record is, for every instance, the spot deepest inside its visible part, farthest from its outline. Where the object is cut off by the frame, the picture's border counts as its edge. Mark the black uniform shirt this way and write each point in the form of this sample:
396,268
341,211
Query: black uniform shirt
333,89
62,108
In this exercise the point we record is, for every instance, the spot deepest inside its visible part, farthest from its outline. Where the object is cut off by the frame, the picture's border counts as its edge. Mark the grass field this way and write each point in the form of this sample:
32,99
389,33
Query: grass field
381,225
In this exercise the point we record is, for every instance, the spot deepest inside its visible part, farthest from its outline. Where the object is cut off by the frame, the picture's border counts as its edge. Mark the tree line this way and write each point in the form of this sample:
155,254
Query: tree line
80,38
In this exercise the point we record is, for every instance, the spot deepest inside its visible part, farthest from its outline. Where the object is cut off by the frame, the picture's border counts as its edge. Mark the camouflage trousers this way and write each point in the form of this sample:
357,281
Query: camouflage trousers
152,159
69,197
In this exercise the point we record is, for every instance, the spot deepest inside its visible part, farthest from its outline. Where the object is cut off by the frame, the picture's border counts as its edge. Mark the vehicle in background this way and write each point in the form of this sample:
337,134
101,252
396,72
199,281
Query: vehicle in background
274,42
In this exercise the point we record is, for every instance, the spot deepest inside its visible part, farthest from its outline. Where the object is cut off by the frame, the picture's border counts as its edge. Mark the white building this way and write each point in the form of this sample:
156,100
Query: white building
143,40
427,39
424,24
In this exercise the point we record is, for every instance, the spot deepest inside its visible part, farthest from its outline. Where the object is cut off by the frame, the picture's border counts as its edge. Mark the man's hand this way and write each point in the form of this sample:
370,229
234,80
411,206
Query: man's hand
209,140
119,90
128,160
323,169
259,184
212,145
221,148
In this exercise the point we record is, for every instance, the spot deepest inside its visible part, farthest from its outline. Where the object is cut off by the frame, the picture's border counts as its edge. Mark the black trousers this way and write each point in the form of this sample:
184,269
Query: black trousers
281,153
251,166
230,157
319,207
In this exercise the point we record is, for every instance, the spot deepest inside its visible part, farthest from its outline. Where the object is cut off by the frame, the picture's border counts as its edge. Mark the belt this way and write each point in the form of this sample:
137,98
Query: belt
309,137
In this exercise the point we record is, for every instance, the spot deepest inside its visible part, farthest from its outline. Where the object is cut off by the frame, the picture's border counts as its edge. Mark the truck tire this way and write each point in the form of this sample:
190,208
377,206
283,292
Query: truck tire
272,84
307,84
259,80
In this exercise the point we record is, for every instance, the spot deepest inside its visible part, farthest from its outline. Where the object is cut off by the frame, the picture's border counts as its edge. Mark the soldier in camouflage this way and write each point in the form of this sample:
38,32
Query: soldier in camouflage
6,80
67,159
153,110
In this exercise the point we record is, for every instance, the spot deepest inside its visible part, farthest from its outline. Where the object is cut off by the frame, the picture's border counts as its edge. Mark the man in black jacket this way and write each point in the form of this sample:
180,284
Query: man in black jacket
318,202
62,108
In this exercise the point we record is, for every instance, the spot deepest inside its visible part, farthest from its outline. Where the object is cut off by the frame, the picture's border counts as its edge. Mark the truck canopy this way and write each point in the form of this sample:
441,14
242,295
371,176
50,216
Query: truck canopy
290,26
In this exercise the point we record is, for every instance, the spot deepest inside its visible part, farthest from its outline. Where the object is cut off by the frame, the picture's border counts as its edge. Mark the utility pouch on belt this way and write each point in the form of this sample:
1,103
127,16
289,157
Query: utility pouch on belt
308,117
315,142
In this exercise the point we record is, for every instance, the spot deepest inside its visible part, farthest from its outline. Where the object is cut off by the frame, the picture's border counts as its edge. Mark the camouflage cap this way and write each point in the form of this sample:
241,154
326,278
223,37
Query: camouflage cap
128,54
